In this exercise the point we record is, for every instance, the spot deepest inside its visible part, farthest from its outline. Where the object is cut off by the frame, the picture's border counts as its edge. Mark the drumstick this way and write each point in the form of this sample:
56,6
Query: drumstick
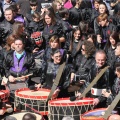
18,78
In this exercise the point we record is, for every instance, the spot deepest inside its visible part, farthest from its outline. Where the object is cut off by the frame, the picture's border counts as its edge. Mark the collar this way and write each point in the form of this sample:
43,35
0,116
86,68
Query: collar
19,55
76,41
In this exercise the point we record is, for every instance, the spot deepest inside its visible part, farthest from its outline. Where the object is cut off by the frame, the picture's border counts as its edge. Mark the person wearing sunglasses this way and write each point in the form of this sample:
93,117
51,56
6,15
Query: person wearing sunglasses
49,72
83,63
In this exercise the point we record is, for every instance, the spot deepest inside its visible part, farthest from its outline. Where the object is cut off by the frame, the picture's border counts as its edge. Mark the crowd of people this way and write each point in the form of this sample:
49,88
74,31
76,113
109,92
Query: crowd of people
37,36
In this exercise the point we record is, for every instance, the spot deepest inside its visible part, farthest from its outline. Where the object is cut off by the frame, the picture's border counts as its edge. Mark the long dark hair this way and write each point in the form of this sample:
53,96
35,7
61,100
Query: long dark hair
72,39
51,15
115,36
89,48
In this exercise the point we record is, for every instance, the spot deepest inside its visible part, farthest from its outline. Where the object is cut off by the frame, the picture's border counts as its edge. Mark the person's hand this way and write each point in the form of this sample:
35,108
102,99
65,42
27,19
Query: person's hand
11,78
82,82
99,38
8,105
2,112
38,86
55,94
43,10
96,101
23,78
35,50
78,94
105,93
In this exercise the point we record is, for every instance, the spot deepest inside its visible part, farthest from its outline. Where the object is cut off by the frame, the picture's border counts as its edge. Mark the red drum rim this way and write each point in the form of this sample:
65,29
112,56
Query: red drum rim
31,96
43,112
71,103
5,93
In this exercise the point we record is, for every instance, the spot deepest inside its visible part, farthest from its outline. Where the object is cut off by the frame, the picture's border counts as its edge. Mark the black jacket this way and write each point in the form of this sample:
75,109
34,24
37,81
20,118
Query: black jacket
110,56
82,62
49,72
104,82
5,29
55,29
104,31
28,63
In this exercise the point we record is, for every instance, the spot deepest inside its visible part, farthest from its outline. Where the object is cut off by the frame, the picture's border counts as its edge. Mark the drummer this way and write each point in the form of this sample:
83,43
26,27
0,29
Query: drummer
49,72
115,88
103,82
18,63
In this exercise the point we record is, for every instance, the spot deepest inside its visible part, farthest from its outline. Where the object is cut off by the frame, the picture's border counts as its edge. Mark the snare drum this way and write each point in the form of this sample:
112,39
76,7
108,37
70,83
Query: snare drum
4,94
19,116
95,114
33,99
59,108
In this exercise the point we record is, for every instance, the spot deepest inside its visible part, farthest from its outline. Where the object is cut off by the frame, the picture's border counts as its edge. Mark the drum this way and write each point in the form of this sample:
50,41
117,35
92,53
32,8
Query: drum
30,100
4,94
95,114
19,116
59,108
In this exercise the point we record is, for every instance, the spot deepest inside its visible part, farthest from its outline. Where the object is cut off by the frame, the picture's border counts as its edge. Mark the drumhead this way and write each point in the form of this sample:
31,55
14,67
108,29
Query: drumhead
19,116
66,101
30,94
96,113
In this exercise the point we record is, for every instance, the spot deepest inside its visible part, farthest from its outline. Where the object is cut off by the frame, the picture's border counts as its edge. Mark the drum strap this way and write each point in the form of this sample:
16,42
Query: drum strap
111,107
56,81
94,81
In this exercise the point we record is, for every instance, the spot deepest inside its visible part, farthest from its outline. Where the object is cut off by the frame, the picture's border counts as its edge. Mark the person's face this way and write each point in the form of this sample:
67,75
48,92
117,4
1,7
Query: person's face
33,7
9,15
96,5
58,6
102,9
103,22
112,41
57,58
48,20
100,59
83,50
117,73
18,46
117,51
54,44
77,35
